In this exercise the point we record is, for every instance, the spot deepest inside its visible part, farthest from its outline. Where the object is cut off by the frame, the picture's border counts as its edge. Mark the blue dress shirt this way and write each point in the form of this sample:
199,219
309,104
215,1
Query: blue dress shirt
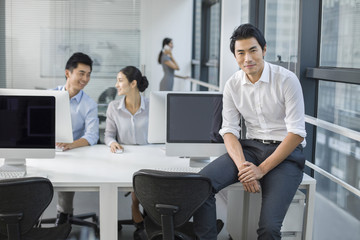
84,117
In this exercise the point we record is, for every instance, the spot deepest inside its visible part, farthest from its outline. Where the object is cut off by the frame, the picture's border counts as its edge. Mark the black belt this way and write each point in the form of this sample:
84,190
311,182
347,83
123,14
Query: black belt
267,141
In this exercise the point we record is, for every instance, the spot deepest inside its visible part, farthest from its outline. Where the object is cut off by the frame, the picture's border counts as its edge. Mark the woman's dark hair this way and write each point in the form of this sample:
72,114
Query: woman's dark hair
246,31
76,58
132,73
166,41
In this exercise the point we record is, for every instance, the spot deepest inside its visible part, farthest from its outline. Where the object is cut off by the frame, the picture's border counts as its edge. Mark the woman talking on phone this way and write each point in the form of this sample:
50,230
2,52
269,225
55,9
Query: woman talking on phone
169,65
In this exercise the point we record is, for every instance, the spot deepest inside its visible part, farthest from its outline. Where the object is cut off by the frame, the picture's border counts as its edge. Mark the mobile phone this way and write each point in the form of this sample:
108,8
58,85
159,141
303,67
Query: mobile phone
166,47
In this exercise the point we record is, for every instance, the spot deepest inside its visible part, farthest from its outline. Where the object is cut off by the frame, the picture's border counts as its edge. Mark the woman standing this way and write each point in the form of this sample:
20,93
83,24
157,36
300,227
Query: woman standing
127,122
169,65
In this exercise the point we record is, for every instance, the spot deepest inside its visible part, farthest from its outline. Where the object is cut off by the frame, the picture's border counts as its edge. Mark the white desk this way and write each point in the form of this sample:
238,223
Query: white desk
95,168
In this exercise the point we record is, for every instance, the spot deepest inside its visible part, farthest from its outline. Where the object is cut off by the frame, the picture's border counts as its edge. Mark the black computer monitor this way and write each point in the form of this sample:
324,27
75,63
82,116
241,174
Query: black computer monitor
27,128
193,121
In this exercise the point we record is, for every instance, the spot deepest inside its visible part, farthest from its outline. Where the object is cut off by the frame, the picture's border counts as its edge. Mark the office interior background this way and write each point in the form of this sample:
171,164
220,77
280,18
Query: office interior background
317,40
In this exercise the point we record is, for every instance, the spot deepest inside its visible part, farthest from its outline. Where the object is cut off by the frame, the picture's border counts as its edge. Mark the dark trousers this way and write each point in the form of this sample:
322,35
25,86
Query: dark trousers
278,188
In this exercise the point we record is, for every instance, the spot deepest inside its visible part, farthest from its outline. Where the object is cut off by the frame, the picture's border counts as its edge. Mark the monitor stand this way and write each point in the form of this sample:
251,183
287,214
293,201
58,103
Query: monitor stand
16,166
198,162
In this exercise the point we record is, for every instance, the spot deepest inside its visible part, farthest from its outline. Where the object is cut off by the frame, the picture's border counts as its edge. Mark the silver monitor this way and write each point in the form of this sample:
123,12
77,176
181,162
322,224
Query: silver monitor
193,121
157,117
63,118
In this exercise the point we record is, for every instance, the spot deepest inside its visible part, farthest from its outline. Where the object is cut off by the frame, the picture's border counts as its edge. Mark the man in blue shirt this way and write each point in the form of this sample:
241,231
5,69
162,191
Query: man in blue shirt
84,118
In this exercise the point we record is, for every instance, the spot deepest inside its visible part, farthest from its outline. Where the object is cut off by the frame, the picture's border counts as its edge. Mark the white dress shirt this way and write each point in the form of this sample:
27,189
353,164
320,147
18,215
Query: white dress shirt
272,107
125,128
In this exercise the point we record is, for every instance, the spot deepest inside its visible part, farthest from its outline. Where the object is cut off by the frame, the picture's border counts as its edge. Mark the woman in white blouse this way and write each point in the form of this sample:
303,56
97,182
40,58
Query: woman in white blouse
127,121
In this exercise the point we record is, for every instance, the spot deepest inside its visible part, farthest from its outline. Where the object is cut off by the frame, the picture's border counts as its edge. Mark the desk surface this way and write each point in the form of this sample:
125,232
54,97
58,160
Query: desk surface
93,165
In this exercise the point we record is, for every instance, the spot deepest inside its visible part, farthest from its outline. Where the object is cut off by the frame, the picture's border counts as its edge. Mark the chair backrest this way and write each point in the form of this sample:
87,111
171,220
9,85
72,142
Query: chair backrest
108,95
186,191
26,196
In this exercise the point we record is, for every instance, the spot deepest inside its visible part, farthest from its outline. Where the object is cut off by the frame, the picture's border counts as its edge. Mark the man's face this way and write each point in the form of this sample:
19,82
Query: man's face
79,77
249,56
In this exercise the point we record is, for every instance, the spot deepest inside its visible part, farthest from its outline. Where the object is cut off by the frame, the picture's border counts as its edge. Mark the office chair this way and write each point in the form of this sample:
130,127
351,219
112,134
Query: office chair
170,199
22,202
80,220
104,99
108,95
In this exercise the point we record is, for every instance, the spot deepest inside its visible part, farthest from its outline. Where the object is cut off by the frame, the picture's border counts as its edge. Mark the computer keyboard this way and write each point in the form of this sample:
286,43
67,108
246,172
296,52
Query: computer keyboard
181,169
9,175
7,172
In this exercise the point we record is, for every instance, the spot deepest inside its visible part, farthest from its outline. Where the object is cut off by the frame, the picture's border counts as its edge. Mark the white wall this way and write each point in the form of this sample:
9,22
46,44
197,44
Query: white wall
230,19
160,19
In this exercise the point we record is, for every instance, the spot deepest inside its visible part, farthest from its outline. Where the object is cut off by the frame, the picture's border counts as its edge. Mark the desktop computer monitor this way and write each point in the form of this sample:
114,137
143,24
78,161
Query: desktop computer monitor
157,117
27,127
63,128
193,121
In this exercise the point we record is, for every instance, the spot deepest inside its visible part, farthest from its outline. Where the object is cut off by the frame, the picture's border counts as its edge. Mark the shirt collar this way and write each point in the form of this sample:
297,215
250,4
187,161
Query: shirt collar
263,78
77,97
122,103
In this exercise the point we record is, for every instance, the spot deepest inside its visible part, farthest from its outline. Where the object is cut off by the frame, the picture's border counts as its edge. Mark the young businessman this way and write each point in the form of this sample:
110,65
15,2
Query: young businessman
84,118
270,159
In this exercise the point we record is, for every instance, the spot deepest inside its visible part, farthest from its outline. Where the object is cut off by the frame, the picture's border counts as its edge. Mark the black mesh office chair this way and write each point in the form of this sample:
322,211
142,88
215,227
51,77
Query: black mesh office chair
104,99
170,199
90,220
22,202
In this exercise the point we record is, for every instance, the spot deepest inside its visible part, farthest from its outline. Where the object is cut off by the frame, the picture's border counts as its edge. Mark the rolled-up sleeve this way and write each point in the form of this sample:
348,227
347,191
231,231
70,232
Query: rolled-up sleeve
295,113
230,114
110,129
91,133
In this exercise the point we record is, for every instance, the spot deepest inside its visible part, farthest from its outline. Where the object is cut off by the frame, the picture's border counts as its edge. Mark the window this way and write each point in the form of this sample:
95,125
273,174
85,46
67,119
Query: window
206,41
281,32
42,35
338,103
340,34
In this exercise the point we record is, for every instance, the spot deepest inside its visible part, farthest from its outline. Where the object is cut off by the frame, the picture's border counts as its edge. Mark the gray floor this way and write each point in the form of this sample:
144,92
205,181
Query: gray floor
330,222
88,202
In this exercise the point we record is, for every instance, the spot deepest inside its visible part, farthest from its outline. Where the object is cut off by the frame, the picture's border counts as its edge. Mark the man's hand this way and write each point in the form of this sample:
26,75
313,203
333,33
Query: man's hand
253,186
249,173
65,146
81,142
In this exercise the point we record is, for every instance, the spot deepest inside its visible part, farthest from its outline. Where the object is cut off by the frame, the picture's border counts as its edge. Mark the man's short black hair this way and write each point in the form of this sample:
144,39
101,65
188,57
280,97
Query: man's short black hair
246,31
76,58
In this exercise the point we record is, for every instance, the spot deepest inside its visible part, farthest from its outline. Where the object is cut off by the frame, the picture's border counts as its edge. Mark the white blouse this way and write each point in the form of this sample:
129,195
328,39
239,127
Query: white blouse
125,128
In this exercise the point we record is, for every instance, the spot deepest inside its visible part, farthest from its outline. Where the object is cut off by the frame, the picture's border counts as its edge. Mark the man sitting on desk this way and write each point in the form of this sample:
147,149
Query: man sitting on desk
270,159
84,118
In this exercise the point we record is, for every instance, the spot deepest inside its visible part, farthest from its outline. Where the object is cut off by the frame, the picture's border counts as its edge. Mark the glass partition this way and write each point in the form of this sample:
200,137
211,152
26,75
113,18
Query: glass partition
281,32
340,34
338,103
